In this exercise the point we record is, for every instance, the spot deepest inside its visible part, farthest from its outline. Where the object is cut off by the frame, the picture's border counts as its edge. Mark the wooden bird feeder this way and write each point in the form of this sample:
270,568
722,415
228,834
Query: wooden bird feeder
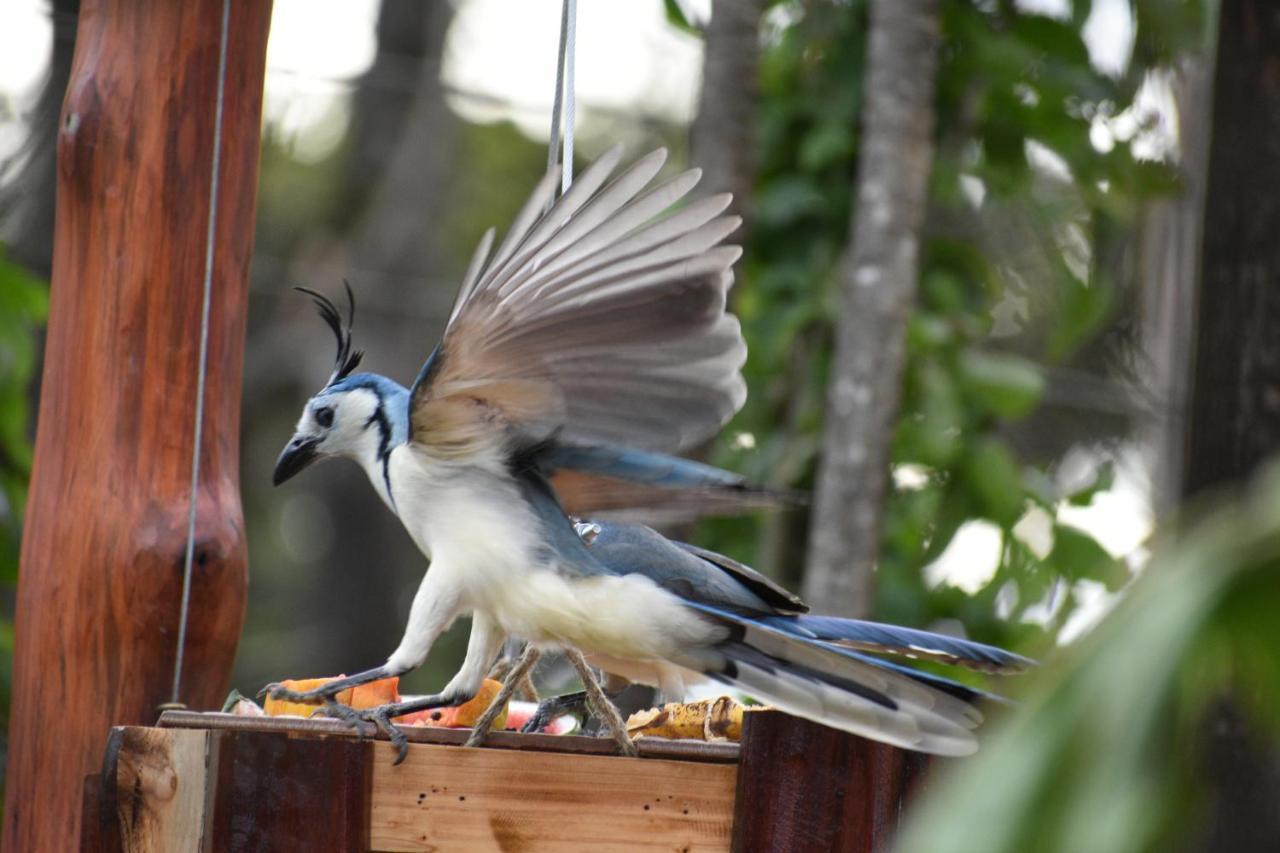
162,118
223,783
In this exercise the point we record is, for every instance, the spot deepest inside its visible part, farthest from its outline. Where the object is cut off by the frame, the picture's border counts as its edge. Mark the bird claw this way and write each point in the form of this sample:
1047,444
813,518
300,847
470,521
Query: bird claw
325,692
379,716
280,693
556,706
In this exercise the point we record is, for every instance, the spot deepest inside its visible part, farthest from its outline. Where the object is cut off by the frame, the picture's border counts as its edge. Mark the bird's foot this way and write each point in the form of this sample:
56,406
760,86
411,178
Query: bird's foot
325,692
517,675
601,705
557,706
380,716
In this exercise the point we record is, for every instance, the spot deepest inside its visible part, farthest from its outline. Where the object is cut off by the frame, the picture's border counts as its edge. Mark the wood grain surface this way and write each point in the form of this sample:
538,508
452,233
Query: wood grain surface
277,794
449,798
805,787
101,572
161,789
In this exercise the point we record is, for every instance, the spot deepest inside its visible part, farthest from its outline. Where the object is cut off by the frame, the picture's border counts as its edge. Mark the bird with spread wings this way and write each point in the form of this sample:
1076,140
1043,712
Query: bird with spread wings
596,339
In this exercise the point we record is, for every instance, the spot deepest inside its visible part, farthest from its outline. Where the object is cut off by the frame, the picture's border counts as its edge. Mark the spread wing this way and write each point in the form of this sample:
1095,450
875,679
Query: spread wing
599,321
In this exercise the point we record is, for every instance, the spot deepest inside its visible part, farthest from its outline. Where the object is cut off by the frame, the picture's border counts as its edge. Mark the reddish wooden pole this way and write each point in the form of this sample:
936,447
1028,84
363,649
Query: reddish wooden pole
802,786
101,575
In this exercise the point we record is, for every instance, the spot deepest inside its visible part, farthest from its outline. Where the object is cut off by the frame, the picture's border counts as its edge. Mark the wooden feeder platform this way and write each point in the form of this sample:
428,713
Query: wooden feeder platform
217,782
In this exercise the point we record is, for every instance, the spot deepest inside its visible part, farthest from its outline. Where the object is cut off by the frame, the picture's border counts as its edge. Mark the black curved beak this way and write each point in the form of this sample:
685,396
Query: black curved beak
298,454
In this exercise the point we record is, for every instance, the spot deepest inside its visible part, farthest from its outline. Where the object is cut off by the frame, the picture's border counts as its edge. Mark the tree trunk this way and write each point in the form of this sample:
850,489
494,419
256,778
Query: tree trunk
102,558
403,151
723,134
877,291
1234,408
1235,405
410,44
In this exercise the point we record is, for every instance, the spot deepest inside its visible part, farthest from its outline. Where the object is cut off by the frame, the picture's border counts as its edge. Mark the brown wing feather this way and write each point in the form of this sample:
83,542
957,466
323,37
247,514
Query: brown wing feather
594,322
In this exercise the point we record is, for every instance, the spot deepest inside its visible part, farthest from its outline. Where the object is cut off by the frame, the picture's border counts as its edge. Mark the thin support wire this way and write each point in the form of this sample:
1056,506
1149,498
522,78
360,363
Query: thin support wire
210,236
570,24
564,98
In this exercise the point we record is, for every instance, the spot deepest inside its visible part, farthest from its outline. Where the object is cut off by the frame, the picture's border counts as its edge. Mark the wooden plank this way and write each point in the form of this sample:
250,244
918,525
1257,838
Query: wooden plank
102,552
98,830
444,798
649,747
802,786
160,791
277,793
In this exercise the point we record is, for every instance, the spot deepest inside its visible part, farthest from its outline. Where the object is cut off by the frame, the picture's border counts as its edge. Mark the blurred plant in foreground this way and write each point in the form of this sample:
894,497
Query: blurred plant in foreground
1108,750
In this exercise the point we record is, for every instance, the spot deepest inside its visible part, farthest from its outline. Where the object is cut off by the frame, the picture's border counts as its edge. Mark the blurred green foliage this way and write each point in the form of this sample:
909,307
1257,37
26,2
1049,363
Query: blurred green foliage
1014,89
1109,748
23,306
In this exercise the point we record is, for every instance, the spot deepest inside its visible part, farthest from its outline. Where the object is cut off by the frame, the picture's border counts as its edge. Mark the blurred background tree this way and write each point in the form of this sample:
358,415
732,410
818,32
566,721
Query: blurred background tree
1031,451
1019,398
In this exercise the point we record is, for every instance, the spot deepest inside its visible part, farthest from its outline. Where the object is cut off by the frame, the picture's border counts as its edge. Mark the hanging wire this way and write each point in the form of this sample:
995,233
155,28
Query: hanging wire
563,103
564,99
570,24
203,368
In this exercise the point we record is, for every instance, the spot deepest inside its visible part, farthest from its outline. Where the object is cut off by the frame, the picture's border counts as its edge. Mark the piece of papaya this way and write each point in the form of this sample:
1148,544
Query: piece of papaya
369,695
381,692
462,716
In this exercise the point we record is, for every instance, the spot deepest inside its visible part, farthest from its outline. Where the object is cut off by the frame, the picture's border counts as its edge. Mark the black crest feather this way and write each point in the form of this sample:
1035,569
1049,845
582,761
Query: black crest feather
347,359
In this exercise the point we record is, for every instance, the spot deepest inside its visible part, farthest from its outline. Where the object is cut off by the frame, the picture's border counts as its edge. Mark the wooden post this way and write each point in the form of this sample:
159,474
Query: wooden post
802,786
1234,411
1233,414
101,572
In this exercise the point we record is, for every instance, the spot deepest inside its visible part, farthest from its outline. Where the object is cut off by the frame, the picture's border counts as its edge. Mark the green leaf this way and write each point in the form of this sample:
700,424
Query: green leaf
1078,556
1008,386
789,199
1080,311
678,19
931,433
233,699
993,475
927,332
825,146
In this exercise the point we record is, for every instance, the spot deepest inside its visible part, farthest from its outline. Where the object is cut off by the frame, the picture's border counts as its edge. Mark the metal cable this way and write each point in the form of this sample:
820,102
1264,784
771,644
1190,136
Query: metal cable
210,236
557,103
569,23
564,100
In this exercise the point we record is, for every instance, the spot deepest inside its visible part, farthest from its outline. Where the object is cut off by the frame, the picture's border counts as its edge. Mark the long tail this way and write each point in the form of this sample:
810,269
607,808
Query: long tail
802,665
907,642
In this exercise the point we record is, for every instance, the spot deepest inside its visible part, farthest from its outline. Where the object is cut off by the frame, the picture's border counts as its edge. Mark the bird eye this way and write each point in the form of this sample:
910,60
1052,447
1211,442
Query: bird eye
324,416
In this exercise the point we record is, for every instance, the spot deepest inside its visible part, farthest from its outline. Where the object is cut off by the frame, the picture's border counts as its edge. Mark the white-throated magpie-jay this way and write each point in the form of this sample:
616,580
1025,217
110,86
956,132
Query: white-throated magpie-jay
596,338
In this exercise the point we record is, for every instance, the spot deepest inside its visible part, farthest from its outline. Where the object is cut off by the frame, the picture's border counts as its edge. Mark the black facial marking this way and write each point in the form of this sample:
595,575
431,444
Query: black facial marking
379,417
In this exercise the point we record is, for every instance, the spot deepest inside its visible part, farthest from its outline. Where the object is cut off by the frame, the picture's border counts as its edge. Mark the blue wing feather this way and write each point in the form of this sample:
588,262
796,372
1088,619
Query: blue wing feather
638,466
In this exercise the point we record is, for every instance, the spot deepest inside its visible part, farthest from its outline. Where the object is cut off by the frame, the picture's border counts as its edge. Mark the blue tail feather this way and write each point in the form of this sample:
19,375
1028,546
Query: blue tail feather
911,642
